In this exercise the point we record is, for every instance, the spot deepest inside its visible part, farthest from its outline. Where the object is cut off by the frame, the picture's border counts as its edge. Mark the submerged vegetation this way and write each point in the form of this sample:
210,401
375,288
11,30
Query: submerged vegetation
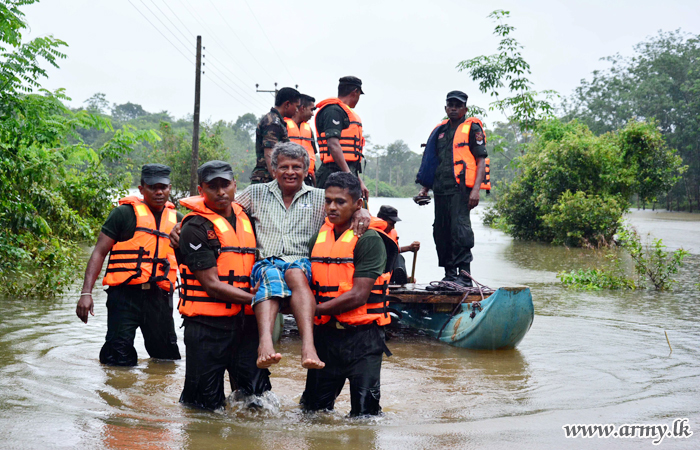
653,266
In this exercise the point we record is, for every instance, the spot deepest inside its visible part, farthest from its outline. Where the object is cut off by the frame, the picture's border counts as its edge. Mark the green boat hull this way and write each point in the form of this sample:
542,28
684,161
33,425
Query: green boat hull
501,321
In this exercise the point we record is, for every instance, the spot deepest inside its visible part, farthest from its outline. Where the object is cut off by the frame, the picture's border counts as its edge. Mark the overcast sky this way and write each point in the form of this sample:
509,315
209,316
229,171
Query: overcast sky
405,52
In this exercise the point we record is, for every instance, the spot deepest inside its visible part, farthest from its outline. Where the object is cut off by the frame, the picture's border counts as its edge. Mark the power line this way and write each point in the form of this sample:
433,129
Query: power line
180,31
198,18
171,22
224,90
235,86
239,39
268,40
164,36
238,99
230,87
178,18
164,25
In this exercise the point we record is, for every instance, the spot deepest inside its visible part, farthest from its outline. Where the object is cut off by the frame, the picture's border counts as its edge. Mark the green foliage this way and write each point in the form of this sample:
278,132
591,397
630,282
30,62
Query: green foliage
580,220
175,150
55,190
652,263
507,70
660,81
573,186
595,279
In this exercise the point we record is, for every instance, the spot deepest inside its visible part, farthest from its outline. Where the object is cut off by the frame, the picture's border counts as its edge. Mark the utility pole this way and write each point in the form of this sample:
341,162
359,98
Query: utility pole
195,119
273,92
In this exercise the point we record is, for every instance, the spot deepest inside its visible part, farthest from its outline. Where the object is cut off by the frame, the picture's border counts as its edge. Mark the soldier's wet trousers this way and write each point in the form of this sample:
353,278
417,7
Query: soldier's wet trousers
211,352
354,354
130,307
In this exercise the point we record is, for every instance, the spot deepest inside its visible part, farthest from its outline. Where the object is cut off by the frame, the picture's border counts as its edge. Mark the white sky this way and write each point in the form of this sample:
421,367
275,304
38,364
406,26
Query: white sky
405,52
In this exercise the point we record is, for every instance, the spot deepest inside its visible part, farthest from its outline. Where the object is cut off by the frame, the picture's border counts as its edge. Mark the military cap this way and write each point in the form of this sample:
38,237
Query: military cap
155,174
387,212
458,95
352,81
214,169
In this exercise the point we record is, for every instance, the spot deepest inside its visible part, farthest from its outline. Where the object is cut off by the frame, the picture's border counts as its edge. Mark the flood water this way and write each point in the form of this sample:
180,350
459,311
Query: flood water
590,358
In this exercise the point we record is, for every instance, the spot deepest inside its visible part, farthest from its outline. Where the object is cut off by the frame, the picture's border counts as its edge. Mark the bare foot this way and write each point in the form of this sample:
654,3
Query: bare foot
310,360
267,357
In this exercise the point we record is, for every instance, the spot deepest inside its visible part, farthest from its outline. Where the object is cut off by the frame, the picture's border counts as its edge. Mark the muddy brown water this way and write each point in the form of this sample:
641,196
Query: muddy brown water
590,357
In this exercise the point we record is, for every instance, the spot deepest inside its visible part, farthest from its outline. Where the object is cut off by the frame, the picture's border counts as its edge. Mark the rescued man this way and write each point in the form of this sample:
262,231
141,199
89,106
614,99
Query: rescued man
390,215
272,129
453,166
141,272
216,254
339,131
299,132
349,277
286,213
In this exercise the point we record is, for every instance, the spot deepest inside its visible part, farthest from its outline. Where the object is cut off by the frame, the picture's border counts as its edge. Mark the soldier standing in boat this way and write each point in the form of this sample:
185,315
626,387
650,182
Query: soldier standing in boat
453,166
141,272
271,130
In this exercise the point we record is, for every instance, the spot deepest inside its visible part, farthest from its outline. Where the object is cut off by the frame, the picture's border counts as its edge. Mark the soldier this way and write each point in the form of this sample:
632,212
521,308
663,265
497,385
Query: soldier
216,257
454,166
350,275
339,131
271,130
141,272
300,133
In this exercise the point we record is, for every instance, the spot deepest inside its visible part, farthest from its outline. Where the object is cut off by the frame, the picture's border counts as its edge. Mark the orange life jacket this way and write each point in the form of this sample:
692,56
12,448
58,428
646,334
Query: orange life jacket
133,261
351,140
332,271
303,137
394,235
462,158
234,262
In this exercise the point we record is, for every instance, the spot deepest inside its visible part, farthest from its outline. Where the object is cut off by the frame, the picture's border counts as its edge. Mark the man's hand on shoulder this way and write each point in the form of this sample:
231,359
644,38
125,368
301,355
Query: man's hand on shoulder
360,222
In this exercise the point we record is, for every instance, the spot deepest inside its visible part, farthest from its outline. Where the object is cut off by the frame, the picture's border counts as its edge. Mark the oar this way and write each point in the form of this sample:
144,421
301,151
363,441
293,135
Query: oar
413,270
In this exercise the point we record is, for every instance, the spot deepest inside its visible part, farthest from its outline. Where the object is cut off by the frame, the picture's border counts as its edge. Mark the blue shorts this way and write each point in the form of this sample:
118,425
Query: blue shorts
270,273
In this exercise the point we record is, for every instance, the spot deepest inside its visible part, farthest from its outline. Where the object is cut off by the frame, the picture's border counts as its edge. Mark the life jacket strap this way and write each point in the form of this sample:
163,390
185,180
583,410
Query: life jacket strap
249,250
153,232
329,260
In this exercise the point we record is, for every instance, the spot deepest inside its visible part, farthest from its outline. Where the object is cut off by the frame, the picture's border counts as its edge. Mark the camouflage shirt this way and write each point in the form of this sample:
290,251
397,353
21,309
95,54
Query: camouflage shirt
271,130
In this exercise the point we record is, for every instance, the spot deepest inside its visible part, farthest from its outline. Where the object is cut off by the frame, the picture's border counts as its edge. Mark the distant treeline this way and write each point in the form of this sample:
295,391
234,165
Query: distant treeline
395,164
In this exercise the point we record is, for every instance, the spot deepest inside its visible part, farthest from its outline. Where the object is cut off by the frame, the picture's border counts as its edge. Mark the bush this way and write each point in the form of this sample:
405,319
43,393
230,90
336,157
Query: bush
573,187
580,220
652,264
595,279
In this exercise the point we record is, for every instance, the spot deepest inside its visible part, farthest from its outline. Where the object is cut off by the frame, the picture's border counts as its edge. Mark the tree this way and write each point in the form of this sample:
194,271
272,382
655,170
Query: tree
127,111
97,104
55,189
508,70
660,81
574,186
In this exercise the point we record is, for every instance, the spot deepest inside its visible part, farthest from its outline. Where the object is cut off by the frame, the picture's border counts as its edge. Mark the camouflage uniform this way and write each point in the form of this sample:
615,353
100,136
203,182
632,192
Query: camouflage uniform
271,130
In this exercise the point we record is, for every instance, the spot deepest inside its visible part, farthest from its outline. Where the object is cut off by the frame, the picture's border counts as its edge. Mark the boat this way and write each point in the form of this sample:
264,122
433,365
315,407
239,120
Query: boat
477,319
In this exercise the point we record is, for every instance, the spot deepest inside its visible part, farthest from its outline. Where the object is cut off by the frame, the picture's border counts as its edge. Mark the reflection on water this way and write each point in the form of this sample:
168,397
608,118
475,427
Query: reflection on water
590,357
